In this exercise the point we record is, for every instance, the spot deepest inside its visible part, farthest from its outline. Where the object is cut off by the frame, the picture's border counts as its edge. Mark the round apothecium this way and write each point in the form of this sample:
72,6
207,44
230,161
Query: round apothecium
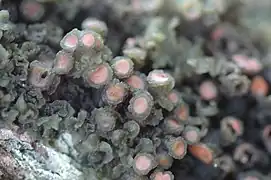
160,81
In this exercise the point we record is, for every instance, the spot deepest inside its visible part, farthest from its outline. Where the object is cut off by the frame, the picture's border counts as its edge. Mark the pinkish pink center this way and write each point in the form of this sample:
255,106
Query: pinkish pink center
246,63
202,152
71,41
98,43
136,82
62,61
236,126
143,163
173,97
178,148
136,5
208,90
100,75
251,178
173,123
140,105
267,132
159,77
217,34
122,66
115,93
32,8
182,113
161,176
131,42
191,136
88,40
253,65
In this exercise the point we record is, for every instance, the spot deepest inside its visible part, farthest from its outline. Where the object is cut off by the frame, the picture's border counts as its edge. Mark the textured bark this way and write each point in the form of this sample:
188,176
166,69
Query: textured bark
21,159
